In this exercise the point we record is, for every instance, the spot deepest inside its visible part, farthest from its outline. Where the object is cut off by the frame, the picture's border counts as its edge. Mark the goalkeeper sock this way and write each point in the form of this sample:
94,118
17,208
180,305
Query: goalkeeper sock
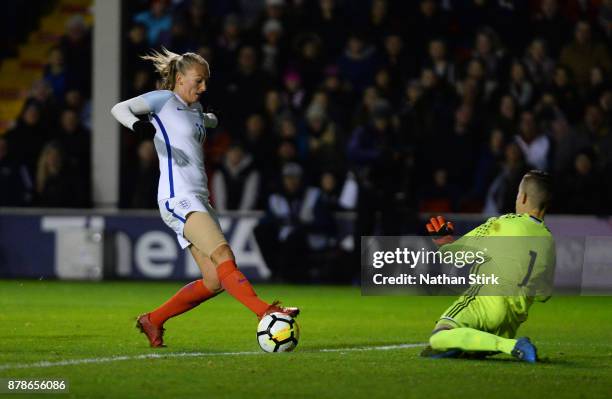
234,282
470,340
185,299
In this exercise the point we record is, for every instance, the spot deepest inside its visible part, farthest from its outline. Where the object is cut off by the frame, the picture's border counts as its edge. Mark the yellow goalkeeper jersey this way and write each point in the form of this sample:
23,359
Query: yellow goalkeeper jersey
519,252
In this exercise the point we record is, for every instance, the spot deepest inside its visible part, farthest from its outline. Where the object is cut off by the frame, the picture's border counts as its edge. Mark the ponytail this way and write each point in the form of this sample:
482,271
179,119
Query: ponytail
168,64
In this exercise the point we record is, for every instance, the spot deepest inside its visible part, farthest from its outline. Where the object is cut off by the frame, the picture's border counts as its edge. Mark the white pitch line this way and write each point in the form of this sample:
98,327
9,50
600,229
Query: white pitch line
73,362
372,348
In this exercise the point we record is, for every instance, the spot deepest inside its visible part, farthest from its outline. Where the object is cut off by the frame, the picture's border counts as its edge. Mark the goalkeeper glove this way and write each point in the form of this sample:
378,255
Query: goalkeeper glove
440,230
144,129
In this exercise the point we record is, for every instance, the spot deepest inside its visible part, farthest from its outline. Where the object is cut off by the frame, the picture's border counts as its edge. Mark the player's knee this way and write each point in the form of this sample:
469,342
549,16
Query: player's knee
221,254
213,286
436,340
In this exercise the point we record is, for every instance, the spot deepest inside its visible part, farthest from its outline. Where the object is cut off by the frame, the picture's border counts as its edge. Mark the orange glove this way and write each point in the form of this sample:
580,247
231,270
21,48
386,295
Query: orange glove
440,230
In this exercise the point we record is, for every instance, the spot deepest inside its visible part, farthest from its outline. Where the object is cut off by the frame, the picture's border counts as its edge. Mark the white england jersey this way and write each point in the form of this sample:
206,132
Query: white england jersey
180,134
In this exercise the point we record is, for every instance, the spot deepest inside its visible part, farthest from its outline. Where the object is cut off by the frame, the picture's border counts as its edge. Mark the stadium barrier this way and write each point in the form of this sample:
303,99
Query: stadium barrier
135,244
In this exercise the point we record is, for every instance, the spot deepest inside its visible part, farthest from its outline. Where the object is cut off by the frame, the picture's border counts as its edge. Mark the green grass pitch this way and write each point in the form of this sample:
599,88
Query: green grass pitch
44,321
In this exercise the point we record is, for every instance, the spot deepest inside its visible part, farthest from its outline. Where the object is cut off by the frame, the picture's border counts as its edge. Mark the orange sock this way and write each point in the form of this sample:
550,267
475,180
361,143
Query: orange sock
234,282
186,298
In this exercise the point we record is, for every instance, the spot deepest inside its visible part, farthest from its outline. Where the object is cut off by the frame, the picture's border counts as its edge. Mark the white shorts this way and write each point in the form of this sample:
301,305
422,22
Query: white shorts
174,213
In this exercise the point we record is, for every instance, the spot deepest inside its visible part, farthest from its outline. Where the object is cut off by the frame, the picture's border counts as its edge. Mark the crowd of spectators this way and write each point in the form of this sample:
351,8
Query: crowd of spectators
45,156
387,107
432,106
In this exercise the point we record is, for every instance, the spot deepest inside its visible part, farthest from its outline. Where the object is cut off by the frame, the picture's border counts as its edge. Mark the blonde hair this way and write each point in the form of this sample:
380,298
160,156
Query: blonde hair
168,64
43,171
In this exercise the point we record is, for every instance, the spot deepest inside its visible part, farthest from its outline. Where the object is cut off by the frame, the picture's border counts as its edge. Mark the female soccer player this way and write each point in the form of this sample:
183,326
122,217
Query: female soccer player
176,120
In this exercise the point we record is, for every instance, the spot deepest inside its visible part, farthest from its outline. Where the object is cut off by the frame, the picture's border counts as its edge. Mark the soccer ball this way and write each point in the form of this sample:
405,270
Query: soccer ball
278,332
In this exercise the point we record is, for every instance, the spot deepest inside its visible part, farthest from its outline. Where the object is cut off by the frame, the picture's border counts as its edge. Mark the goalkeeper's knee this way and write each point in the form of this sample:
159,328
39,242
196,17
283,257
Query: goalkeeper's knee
436,340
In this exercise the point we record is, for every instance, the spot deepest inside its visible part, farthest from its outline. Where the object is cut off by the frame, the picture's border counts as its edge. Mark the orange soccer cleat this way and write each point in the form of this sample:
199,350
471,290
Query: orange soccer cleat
276,308
154,333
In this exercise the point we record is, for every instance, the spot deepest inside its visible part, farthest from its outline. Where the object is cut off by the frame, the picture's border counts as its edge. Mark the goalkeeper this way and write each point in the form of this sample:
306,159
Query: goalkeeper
521,252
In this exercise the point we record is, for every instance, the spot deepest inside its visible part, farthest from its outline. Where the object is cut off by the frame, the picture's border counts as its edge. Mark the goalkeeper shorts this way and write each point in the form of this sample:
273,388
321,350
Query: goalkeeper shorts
491,314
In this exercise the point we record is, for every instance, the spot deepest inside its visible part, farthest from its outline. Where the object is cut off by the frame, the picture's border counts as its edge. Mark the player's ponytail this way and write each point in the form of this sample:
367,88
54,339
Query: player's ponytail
168,64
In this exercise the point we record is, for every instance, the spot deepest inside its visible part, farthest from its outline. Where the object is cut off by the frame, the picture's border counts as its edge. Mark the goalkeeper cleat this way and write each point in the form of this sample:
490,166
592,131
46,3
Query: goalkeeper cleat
524,350
154,333
276,308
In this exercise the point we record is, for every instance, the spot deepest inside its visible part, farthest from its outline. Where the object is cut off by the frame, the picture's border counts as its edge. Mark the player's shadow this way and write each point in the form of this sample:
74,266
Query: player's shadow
500,359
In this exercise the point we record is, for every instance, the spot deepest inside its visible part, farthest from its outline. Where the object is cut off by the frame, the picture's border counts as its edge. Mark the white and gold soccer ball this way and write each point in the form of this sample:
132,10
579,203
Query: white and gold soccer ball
278,332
